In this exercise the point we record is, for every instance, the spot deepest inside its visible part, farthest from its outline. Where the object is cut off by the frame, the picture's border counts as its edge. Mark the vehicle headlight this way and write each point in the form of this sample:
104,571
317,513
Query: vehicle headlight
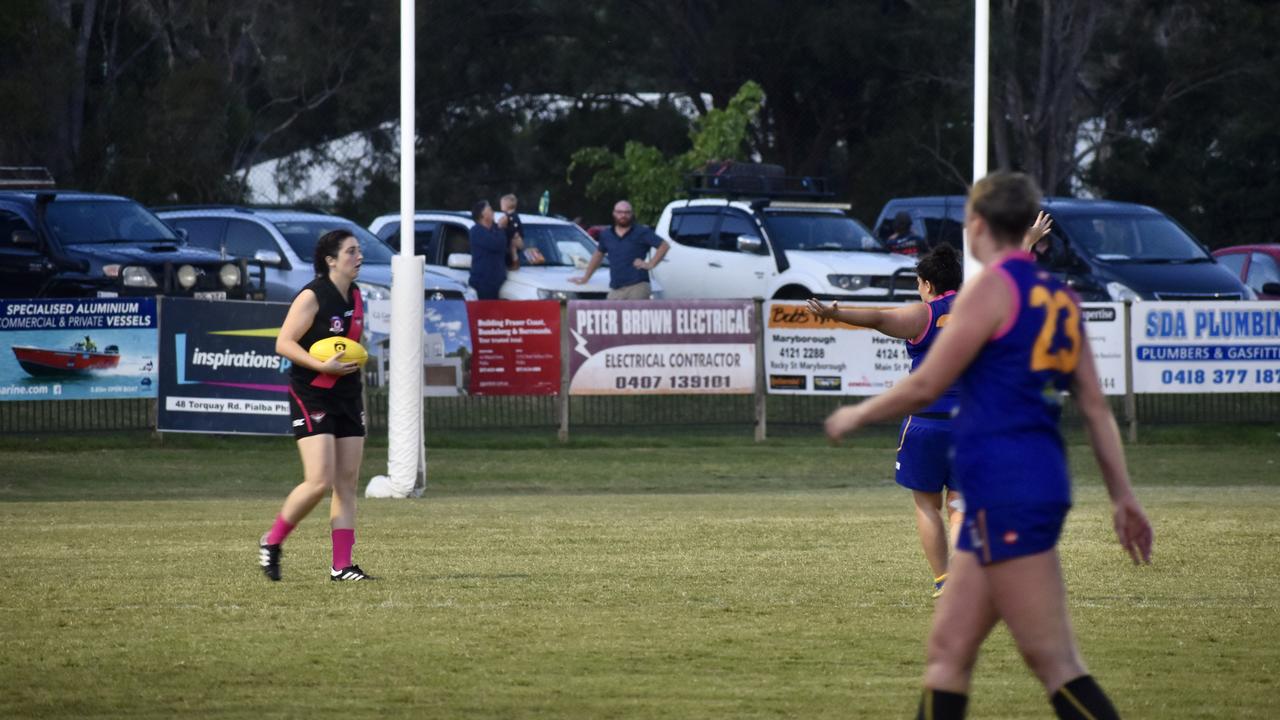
556,294
374,292
229,274
849,282
134,276
187,277
1120,292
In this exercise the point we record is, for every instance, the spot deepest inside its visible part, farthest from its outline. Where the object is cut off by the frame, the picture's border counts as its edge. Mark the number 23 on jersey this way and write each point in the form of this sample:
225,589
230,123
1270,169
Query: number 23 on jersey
1065,358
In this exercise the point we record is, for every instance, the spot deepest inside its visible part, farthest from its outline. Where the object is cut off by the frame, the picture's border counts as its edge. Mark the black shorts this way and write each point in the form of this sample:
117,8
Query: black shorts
321,412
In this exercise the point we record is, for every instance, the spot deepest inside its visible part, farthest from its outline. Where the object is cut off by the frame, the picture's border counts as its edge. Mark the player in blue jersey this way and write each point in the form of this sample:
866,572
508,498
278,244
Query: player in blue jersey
1014,342
923,464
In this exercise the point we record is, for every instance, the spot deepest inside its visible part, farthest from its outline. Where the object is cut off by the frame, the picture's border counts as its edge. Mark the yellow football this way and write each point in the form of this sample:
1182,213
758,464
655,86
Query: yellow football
326,348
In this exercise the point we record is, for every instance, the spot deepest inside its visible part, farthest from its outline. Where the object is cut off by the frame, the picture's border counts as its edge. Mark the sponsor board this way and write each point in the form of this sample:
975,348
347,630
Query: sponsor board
837,358
662,347
220,372
808,355
1206,347
446,345
1104,324
76,349
516,347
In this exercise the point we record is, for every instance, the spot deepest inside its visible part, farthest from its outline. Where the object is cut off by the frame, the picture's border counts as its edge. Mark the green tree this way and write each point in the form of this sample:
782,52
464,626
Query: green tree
648,178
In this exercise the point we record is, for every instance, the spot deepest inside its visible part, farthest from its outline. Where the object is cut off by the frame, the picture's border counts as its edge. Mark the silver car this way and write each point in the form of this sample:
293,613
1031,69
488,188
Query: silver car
284,241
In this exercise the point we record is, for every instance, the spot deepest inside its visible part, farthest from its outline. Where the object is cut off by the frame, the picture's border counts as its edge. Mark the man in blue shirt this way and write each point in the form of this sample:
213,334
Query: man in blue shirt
488,253
627,245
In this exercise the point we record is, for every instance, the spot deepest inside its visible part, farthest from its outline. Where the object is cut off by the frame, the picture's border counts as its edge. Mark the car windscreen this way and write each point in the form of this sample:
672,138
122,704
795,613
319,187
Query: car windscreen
423,230
556,246
302,236
1132,238
105,221
819,231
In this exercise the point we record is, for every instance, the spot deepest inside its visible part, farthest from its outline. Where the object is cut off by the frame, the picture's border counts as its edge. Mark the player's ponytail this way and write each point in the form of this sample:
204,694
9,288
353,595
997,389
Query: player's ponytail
941,268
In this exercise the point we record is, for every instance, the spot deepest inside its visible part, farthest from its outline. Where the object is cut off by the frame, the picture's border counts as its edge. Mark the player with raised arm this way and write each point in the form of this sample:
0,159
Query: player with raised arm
1015,340
326,403
923,464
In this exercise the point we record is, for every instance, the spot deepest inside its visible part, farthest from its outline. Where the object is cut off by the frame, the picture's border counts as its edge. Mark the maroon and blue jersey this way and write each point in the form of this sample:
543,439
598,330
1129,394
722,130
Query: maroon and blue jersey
939,314
1008,450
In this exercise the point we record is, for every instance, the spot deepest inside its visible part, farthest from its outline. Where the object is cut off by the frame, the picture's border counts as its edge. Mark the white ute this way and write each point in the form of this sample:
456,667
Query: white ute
776,249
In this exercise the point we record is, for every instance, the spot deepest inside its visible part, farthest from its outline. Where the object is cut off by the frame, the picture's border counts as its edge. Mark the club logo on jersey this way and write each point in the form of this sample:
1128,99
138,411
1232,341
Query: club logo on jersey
1011,537
335,324
317,416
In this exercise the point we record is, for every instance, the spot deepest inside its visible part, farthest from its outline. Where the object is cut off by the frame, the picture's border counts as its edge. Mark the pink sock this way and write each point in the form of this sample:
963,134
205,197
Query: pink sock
279,531
343,540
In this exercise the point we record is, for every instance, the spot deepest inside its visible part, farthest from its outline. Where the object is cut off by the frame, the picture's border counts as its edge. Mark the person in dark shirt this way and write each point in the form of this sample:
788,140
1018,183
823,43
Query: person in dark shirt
488,252
326,404
903,240
627,245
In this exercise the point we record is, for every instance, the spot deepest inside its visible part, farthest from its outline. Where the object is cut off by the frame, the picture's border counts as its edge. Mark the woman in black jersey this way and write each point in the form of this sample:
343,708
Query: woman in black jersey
326,404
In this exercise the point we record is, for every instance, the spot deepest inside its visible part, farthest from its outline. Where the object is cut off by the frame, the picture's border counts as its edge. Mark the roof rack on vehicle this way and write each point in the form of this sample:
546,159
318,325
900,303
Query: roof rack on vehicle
18,177
755,180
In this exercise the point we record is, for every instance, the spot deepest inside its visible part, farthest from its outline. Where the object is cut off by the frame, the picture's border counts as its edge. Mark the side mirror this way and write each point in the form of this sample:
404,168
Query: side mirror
182,234
268,257
460,261
1271,288
25,238
750,244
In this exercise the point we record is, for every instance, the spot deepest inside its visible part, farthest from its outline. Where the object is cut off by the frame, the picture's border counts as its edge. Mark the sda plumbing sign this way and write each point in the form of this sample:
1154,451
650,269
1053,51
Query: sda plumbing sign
657,347
1206,347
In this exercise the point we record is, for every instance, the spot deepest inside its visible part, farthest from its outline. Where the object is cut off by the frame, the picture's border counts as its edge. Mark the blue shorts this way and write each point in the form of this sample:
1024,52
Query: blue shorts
995,534
924,455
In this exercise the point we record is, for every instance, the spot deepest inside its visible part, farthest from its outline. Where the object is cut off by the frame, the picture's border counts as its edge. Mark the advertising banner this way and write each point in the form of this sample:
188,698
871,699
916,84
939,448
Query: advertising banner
662,347
220,372
1104,323
446,345
78,349
1206,347
515,347
807,355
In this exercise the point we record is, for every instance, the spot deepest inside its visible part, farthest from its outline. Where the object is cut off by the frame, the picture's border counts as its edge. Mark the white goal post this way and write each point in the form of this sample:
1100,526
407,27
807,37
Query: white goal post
406,447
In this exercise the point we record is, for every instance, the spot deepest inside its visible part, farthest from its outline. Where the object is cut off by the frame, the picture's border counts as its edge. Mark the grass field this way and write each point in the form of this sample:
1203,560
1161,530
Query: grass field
663,577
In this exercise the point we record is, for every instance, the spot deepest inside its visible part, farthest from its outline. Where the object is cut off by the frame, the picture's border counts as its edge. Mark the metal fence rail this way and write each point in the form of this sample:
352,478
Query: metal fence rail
630,413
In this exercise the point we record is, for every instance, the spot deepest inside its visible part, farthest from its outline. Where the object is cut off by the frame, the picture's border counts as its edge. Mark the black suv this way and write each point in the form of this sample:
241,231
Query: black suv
1105,250
63,243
